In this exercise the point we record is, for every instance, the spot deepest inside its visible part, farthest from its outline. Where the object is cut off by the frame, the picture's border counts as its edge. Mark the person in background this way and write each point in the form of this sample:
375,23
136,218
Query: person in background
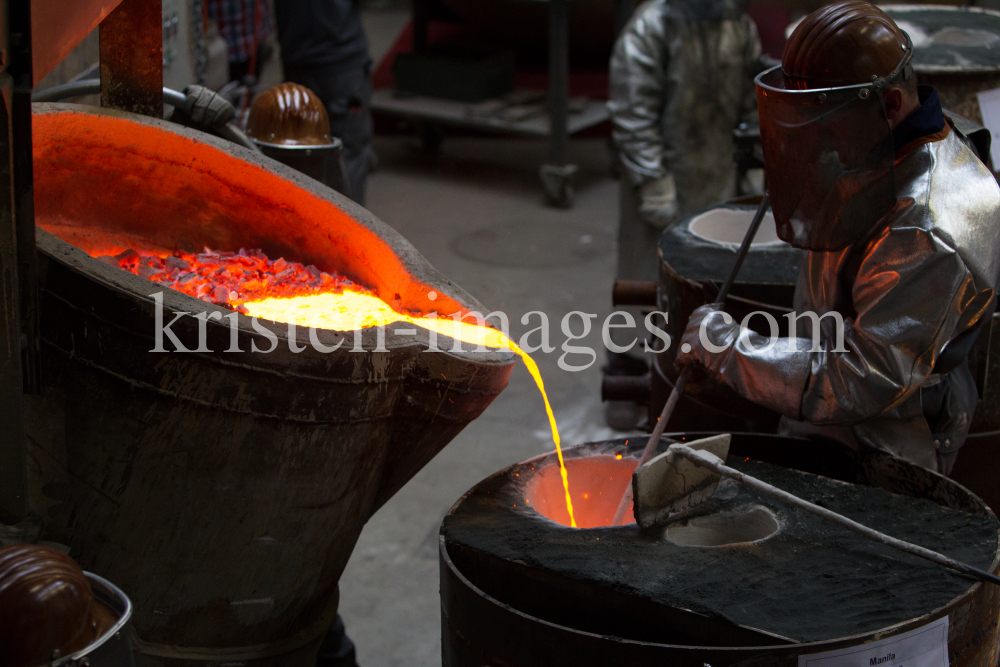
681,80
245,25
324,48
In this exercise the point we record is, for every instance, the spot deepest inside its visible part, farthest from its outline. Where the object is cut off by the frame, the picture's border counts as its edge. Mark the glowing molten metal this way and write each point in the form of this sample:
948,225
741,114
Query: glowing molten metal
289,292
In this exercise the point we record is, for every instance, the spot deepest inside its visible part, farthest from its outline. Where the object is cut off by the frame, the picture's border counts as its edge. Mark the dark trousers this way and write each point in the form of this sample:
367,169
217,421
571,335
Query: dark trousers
347,95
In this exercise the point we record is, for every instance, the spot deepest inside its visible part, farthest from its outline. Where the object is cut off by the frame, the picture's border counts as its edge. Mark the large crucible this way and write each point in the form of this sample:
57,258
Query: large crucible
742,579
223,490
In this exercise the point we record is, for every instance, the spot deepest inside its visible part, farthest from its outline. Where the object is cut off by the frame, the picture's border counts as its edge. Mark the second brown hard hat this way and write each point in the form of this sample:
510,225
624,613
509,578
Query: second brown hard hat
289,114
46,606
842,44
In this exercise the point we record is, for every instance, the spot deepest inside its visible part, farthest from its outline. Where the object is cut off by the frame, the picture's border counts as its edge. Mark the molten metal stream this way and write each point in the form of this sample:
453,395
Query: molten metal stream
350,310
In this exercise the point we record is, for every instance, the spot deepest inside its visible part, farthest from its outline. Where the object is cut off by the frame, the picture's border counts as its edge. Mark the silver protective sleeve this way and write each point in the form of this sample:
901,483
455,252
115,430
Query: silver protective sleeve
924,276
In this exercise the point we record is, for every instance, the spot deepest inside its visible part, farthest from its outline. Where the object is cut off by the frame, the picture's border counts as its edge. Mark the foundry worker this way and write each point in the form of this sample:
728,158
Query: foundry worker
898,218
681,80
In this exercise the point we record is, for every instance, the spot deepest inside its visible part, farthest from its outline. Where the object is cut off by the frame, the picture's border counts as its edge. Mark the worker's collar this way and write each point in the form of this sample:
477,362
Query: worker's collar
925,120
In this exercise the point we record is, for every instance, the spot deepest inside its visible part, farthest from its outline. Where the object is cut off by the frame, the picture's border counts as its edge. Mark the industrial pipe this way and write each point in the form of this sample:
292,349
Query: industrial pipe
634,293
172,97
633,388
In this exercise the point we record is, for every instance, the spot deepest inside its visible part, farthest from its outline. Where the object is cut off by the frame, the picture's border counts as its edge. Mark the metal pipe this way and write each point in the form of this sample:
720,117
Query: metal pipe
172,97
634,293
625,388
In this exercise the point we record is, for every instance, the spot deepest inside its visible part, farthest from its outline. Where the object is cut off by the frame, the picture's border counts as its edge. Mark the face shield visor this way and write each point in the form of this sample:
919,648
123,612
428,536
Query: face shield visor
828,157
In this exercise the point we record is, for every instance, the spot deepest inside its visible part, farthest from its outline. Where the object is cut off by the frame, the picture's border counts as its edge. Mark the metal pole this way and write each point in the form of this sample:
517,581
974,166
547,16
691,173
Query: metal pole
558,79
19,347
131,44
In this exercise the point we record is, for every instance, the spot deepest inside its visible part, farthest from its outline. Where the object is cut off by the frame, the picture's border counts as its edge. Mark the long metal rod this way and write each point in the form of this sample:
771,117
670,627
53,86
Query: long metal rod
713,462
675,395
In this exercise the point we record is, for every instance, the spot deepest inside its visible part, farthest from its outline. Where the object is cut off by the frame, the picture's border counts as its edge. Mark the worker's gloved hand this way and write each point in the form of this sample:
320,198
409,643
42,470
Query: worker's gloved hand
658,202
206,109
702,348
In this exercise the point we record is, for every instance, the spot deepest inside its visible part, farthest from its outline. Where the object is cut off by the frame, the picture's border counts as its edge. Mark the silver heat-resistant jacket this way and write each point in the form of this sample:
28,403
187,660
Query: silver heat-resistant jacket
681,82
923,276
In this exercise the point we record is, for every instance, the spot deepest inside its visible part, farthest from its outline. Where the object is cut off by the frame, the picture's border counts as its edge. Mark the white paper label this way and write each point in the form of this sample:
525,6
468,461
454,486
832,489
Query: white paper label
989,106
923,647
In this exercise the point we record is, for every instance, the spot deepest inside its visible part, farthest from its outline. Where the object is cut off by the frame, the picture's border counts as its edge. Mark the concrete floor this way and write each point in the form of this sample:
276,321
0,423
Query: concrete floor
389,593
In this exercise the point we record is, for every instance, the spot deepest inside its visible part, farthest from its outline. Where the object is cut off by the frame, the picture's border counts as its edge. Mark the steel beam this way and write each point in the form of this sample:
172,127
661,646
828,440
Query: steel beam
132,58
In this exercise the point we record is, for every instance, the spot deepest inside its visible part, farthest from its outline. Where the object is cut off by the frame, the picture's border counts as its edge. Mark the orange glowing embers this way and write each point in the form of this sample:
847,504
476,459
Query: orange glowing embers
227,278
289,292
605,479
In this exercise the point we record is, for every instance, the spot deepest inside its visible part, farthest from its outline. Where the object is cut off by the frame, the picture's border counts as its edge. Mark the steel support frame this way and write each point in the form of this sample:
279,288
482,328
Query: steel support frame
20,366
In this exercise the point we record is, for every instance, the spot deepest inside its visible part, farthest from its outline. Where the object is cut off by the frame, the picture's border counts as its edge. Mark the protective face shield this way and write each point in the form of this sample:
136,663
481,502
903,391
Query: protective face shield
828,157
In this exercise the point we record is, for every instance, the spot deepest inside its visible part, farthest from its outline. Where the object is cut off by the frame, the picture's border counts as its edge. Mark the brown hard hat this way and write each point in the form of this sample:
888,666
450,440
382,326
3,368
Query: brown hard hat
843,44
46,606
291,115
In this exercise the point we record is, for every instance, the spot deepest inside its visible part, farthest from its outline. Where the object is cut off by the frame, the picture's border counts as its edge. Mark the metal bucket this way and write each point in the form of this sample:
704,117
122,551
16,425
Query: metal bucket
498,606
114,648
223,491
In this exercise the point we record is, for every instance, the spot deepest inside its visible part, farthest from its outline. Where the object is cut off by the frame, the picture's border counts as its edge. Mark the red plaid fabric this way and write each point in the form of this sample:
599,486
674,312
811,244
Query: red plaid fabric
242,23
